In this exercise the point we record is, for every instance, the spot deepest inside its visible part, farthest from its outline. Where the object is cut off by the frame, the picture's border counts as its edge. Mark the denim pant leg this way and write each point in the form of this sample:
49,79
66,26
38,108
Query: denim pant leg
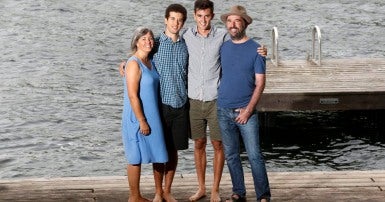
250,136
230,141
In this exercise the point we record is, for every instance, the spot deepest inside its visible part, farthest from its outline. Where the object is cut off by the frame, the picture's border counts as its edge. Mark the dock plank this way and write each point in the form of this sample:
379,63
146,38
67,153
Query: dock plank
300,85
285,186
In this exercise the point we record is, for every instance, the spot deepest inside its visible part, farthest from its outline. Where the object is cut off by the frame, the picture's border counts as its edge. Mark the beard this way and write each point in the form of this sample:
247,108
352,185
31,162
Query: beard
238,35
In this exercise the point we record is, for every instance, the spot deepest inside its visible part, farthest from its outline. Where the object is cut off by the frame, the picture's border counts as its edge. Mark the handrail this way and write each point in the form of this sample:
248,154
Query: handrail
274,58
314,58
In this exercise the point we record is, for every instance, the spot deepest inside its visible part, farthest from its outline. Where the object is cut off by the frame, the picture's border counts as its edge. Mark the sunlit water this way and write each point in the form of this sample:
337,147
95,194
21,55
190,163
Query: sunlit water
61,95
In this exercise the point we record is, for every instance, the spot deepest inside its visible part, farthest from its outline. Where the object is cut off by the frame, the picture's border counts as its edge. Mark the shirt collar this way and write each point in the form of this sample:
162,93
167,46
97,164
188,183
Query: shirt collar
211,33
164,37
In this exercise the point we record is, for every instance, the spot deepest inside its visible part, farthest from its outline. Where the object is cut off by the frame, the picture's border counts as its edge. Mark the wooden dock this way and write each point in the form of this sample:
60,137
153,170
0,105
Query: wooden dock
285,186
338,84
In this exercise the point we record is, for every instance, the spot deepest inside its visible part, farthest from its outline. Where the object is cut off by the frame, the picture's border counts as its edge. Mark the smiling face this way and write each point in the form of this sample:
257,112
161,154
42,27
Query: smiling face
145,43
236,26
174,23
203,18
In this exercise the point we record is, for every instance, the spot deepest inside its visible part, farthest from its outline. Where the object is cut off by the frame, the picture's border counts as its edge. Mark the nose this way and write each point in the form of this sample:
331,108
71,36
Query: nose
148,41
230,23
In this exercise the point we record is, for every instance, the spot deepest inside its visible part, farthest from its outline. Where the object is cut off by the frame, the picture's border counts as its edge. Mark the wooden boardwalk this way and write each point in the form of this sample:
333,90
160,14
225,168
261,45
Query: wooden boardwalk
285,186
338,84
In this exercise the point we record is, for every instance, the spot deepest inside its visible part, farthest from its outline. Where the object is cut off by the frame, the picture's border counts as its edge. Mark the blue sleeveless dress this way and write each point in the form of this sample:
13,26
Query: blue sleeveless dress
138,148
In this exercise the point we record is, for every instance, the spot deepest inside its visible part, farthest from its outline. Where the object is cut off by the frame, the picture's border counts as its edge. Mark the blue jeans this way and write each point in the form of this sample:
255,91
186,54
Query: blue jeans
231,131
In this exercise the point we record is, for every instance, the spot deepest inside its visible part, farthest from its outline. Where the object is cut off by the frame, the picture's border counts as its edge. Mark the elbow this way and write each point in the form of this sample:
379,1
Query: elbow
133,97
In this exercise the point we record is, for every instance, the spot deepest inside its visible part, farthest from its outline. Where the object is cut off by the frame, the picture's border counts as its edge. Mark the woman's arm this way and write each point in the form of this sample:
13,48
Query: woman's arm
133,76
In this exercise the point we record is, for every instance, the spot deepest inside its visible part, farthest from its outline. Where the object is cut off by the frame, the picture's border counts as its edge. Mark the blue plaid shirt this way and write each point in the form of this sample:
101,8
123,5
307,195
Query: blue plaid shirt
171,60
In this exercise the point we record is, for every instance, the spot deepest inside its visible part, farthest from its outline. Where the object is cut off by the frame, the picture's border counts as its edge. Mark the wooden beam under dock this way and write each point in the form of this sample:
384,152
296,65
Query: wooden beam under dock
316,186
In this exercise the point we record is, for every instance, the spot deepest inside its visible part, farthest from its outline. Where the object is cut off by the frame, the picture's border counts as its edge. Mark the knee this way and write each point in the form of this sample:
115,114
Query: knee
200,143
255,157
217,145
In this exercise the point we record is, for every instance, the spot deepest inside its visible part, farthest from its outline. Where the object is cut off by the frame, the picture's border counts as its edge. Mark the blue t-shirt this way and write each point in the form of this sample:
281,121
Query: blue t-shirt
240,63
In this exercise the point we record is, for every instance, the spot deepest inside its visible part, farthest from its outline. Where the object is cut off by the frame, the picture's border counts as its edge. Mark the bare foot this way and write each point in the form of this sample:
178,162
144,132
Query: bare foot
200,194
146,200
168,197
138,199
215,197
158,198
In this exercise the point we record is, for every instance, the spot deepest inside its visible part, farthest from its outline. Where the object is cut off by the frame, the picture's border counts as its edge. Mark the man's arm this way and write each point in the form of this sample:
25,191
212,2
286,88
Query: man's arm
121,68
259,87
245,113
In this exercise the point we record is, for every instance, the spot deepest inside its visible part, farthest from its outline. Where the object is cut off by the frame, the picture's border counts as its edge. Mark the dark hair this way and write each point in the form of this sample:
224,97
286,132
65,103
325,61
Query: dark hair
178,9
203,4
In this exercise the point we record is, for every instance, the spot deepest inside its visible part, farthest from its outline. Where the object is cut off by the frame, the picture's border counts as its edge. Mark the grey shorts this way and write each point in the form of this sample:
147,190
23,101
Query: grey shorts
203,114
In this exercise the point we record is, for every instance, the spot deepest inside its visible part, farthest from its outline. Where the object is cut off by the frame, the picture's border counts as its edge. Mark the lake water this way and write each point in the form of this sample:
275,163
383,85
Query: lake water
61,95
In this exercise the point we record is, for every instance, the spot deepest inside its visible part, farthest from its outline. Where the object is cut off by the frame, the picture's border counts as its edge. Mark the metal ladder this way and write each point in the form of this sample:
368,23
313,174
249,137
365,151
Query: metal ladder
274,45
314,57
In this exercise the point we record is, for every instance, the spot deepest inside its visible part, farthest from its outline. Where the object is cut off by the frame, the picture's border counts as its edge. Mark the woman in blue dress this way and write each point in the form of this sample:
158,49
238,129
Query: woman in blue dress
142,131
